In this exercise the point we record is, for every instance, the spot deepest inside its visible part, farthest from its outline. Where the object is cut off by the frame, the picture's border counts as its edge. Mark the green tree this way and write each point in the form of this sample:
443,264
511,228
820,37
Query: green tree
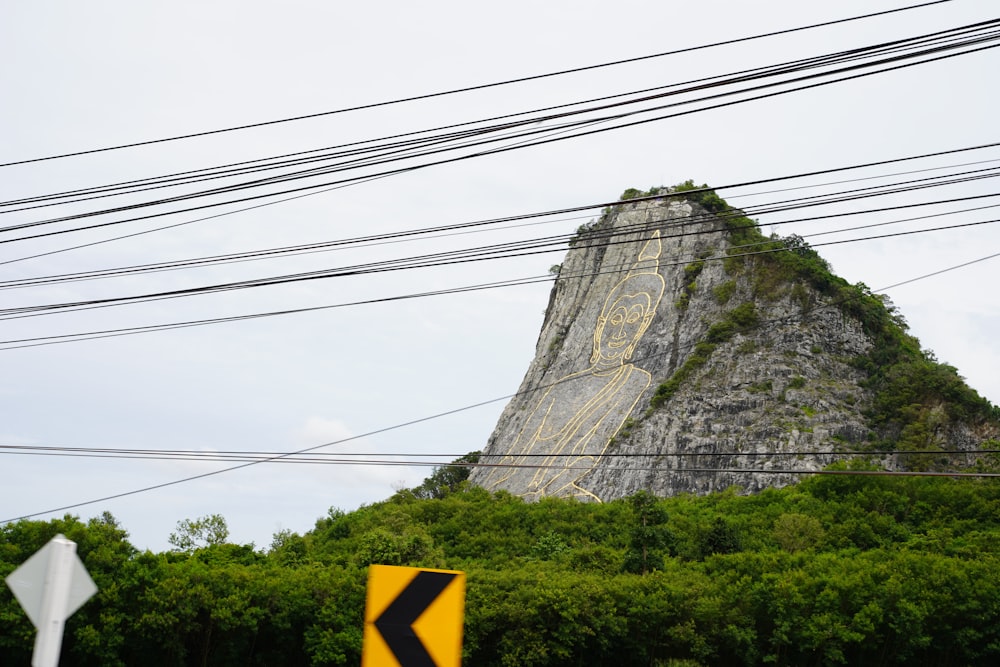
206,531
650,540
446,479
797,532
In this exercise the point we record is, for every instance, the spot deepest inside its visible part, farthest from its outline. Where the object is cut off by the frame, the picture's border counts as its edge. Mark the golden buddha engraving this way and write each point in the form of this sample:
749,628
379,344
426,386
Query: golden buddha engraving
574,421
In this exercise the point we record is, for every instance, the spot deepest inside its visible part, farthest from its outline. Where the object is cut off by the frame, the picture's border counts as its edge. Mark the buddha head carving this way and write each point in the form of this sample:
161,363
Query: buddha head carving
629,308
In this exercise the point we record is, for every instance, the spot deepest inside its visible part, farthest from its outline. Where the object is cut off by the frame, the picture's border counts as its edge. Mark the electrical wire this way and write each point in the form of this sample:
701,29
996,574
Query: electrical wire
534,77
263,164
987,37
33,311
65,338
473,406
437,232
513,249
405,458
733,186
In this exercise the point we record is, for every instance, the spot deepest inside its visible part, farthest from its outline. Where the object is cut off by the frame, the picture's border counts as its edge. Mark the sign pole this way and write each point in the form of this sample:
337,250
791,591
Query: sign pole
55,600
51,586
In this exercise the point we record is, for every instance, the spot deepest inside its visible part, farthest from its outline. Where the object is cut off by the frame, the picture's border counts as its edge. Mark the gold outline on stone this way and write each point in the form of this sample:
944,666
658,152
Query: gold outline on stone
609,389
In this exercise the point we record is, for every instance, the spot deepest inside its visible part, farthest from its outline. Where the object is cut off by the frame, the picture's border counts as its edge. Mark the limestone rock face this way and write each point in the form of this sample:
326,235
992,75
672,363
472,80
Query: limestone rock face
752,387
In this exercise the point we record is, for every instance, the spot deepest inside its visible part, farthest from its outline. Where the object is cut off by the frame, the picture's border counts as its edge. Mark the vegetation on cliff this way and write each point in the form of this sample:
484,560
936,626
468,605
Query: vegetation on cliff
915,397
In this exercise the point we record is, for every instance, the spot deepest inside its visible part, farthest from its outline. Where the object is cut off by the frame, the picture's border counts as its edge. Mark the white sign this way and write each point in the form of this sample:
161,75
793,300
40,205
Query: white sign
51,586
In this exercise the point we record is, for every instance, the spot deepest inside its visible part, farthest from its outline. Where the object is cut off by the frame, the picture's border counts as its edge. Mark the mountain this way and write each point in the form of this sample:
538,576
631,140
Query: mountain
684,351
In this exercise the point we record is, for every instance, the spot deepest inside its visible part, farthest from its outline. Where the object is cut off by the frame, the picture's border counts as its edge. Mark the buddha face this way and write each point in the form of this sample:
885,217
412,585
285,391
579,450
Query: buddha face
620,326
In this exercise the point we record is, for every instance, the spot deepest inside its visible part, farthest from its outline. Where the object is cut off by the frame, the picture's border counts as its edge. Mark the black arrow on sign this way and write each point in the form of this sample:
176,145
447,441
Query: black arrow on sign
396,622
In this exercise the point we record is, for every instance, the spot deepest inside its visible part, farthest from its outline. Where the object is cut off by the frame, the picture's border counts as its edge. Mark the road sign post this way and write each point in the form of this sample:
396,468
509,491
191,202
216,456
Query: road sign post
413,617
51,586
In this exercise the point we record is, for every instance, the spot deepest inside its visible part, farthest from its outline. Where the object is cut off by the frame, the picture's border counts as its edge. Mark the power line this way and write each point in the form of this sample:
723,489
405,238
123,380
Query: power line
181,224
800,473
66,338
507,250
725,187
419,459
479,86
466,408
251,166
113,333
32,311
538,140
439,231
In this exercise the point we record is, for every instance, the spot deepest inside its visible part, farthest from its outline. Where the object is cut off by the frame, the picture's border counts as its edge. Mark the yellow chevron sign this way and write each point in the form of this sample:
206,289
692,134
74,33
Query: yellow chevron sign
413,617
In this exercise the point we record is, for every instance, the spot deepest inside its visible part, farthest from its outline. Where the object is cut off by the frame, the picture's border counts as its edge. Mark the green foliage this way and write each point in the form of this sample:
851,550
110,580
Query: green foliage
288,548
591,229
797,532
693,270
691,273
722,538
740,319
651,539
839,569
989,461
199,533
413,547
916,397
724,292
626,429
698,358
446,479
549,546
703,195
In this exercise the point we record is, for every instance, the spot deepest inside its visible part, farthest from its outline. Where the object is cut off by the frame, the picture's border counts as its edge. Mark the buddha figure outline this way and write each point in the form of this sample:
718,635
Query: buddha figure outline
573,422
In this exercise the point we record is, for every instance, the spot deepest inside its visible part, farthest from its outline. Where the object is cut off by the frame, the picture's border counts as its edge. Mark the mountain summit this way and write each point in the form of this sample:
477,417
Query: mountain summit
684,351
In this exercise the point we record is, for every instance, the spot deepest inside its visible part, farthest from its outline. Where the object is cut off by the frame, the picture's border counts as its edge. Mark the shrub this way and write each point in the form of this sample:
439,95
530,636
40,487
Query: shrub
724,292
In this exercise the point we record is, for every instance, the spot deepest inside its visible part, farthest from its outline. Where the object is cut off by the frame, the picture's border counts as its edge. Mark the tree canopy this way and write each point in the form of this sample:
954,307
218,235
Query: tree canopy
839,569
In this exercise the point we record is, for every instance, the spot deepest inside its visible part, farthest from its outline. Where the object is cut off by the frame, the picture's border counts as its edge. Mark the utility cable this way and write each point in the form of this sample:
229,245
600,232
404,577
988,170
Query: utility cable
540,141
410,458
262,164
480,86
466,408
547,213
66,338
328,246
559,246
496,251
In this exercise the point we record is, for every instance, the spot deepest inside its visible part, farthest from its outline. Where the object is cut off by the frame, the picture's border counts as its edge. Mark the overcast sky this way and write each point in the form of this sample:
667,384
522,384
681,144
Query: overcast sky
80,76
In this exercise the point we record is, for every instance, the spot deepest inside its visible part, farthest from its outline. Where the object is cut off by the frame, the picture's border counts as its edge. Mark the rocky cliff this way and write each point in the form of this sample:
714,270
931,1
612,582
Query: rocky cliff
683,351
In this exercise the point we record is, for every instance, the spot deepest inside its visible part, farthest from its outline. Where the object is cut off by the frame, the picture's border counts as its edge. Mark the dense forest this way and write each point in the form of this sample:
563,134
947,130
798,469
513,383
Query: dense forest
839,569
